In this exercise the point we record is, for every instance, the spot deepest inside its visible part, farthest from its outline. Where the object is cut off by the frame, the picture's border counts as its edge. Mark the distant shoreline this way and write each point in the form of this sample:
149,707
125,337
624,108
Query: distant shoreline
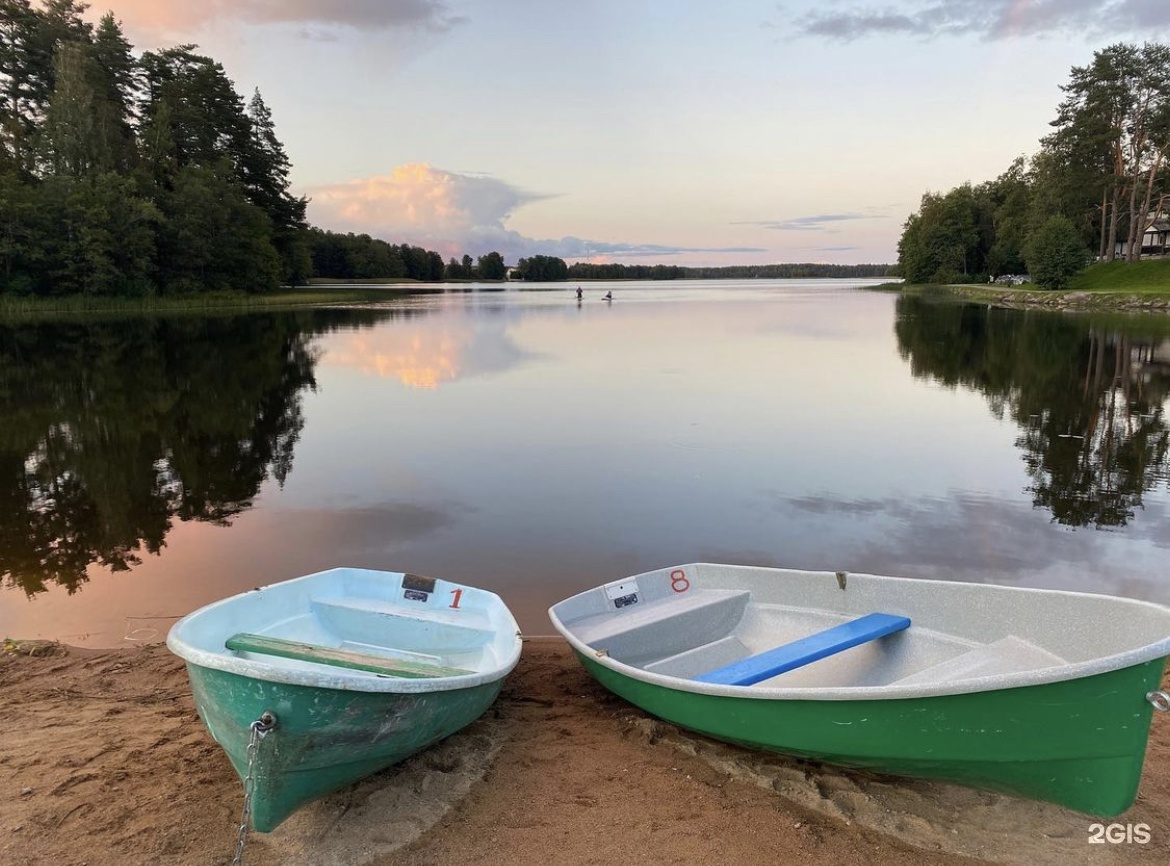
328,292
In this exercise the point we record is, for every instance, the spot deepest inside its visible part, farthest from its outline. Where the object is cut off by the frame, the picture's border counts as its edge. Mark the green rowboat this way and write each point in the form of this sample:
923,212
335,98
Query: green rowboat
1039,693
314,683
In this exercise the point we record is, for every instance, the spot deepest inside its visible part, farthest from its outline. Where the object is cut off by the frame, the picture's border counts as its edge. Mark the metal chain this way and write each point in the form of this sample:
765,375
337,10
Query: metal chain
257,731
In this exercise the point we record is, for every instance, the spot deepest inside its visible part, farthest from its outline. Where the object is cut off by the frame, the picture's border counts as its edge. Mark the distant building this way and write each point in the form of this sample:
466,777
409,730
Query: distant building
1155,237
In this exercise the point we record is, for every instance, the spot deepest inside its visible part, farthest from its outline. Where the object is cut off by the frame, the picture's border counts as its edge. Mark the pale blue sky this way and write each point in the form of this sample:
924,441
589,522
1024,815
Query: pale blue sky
646,131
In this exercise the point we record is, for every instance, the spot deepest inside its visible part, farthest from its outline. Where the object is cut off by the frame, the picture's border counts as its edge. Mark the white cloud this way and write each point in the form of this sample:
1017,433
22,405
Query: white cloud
423,206
988,19
456,214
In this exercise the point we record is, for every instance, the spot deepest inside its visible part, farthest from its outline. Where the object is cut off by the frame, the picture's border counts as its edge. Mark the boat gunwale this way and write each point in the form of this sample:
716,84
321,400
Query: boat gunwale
891,691
341,679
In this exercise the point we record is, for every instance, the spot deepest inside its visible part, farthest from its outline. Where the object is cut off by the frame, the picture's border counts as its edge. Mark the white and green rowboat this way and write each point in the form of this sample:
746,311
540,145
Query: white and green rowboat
1041,693
339,674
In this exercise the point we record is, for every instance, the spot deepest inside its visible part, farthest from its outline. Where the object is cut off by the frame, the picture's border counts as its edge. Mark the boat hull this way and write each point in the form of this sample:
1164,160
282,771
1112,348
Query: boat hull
1079,743
324,739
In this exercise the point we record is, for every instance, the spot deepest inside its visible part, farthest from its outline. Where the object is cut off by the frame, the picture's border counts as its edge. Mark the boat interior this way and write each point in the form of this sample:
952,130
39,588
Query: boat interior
785,630
361,623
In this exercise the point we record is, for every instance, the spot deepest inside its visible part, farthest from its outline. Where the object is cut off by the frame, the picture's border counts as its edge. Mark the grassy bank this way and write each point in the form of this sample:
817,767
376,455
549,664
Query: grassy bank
1118,286
311,296
1146,277
363,281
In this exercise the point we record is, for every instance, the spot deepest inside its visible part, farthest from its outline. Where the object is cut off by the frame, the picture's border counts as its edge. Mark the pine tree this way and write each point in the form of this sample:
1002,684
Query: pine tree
18,24
265,170
120,82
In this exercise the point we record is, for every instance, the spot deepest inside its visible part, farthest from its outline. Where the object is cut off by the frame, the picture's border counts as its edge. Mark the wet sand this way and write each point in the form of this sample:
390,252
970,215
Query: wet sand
103,762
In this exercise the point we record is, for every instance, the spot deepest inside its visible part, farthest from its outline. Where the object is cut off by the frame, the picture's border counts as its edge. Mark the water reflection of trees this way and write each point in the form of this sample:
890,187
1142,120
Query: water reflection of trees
1089,397
113,430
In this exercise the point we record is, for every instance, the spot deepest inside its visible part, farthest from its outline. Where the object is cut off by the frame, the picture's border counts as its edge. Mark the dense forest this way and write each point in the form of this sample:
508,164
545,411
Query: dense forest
357,257
124,175
149,175
1094,188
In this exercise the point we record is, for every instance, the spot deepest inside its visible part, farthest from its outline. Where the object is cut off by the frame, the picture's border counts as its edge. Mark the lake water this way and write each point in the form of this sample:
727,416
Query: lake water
531,445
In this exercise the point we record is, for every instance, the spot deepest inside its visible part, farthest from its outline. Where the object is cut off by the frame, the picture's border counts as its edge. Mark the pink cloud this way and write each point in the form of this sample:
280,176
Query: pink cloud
419,204
182,17
412,196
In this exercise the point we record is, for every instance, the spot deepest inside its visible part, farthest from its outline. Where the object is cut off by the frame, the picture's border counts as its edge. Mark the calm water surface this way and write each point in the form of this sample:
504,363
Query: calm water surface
528,444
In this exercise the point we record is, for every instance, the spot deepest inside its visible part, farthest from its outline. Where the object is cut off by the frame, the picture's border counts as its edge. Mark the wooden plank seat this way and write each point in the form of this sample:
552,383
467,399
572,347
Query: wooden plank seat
753,669
341,658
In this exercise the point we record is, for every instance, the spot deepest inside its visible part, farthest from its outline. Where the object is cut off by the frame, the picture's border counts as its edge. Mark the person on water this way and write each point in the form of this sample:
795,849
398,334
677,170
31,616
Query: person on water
579,293
608,296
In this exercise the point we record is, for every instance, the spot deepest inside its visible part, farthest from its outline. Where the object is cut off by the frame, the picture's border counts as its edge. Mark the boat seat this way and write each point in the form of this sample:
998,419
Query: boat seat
762,666
1008,655
652,621
428,630
341,658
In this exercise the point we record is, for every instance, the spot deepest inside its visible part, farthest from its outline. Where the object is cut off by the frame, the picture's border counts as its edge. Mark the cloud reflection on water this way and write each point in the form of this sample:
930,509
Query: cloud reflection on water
976,537
426,353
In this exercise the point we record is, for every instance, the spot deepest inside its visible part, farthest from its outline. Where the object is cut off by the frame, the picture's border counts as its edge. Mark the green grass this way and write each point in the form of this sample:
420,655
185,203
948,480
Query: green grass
1151,276
13,307
362,281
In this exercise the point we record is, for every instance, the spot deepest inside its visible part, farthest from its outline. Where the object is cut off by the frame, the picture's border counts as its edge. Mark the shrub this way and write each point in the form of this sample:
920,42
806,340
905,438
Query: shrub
1055,252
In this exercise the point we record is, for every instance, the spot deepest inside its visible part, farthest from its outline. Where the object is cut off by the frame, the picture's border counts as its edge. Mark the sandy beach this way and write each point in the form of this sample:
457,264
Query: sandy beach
104,762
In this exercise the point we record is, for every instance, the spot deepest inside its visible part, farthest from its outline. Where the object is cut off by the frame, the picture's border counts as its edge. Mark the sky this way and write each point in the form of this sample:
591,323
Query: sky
645,131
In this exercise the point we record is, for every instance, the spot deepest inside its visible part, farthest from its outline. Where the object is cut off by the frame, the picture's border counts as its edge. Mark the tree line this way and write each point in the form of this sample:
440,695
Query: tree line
790,271
1089,192
800,270
125,175
355,257
358,256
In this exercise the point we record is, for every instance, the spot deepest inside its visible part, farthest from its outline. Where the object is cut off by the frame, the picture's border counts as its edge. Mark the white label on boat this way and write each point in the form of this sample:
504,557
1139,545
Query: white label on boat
621,587
622,592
